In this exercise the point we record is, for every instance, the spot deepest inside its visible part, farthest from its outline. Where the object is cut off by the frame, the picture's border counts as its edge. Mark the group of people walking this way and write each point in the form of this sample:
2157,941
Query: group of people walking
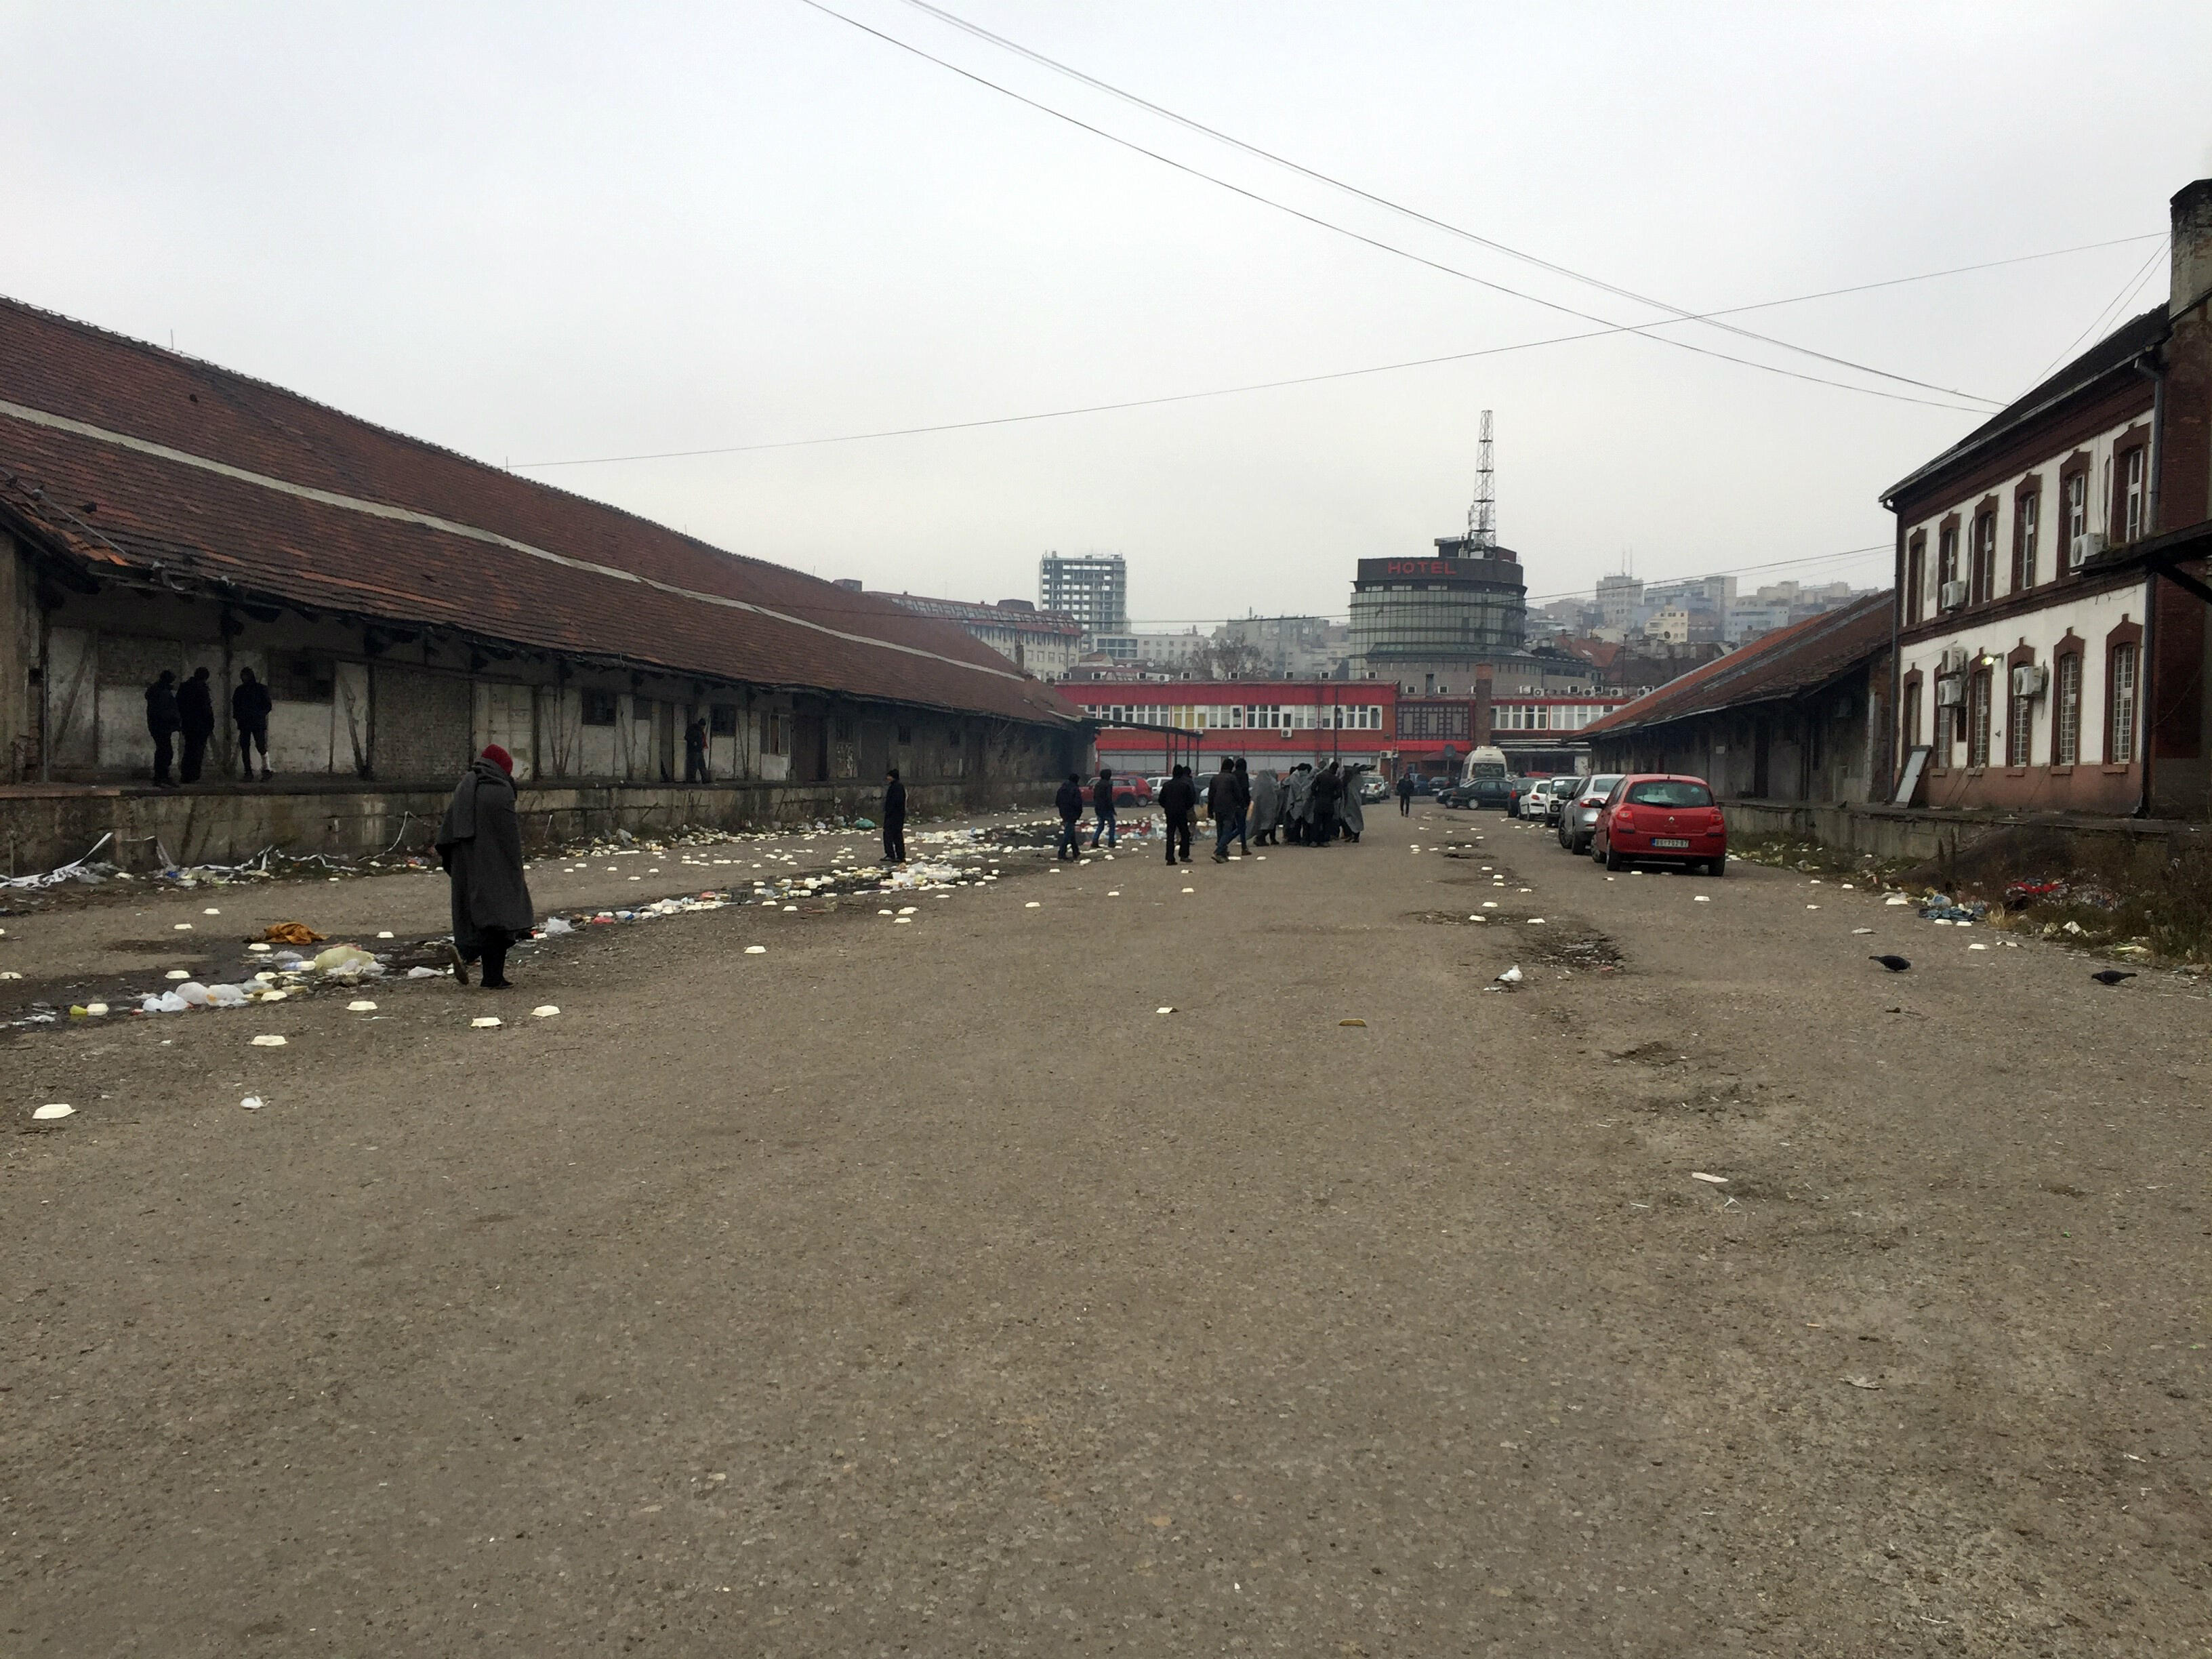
187,712
1308,808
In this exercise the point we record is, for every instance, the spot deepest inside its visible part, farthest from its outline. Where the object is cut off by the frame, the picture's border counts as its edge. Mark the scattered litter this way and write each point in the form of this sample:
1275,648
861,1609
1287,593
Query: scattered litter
1863,1382
1977,947
95,1009
211,913
1352,1022
251,1102
1812,907
290,932
178,973
1034,905
482,1023
259,948
1190,889
1537,922
1702,898
183,928
361,1005
1861,930
386,933
757,949
1163,1010
543,1011
553,926
48,1113
421,973
268,1042
1717,1180
1897,898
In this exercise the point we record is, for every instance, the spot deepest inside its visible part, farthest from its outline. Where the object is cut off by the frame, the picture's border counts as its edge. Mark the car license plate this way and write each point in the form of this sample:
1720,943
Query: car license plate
1668,840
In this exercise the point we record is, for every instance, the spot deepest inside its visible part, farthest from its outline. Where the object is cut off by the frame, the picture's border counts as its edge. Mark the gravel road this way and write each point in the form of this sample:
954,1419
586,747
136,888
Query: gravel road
921,1288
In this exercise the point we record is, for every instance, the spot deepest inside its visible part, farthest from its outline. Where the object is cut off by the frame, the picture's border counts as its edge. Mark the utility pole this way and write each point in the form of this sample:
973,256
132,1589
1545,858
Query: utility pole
1482,513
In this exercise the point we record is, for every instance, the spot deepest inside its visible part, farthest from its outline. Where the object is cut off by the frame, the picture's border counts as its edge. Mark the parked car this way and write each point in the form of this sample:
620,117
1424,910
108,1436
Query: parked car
1578,815
1457,795
1515,788
1533,804
1563,790
1372,789
1130,790
1661,817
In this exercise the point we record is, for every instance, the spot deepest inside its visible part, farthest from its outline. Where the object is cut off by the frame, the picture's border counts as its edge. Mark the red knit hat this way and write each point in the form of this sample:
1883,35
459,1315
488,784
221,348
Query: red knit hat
499,757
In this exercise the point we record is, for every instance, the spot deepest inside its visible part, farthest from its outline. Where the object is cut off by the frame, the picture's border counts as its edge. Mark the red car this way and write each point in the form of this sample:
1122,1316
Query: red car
1661,817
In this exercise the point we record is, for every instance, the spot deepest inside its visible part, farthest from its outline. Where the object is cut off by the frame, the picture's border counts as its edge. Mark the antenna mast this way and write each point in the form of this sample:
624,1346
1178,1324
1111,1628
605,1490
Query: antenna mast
1482,515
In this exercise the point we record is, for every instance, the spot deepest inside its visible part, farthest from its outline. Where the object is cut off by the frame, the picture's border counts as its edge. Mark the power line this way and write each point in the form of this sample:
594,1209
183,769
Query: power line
1314,379
2115,305
1641,329
1334,183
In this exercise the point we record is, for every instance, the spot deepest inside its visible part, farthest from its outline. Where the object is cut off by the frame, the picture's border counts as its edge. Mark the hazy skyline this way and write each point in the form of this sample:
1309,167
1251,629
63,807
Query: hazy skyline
541,233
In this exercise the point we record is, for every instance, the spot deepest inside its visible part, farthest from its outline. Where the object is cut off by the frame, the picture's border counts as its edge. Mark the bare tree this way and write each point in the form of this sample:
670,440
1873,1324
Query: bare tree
1226,659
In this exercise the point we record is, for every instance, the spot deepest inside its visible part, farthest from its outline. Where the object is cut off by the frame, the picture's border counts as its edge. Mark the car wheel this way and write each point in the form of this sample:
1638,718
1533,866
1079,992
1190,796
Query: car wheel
1612,859
1719,866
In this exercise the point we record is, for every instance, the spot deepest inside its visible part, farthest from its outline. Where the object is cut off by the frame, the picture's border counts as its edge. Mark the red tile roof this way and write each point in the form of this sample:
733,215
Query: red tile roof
125,455
1802,656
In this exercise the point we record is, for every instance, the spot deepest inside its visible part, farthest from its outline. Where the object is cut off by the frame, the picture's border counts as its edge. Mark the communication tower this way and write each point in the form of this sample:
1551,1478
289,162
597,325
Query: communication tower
1482,514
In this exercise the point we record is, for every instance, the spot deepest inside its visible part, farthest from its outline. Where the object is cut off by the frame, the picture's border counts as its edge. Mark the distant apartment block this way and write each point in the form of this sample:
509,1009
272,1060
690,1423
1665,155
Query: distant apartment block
1093,588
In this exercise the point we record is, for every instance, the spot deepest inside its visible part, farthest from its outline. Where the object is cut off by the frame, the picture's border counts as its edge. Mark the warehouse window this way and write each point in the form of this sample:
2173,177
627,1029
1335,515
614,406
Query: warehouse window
722,719
598,707
775,733
302,679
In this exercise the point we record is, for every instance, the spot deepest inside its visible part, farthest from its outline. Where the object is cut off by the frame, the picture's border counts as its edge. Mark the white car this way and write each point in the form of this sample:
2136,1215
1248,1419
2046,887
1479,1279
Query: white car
1537,803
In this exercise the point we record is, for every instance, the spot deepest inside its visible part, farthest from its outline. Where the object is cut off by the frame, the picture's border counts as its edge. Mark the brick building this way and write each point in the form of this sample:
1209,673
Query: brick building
2049,627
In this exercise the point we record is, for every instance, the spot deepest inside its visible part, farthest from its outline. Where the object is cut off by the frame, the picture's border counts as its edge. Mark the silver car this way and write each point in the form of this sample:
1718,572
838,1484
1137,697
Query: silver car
1577,817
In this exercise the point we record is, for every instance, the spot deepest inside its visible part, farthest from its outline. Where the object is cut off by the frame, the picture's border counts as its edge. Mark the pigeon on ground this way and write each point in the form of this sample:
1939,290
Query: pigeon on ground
1511,976
2110,975
1895,965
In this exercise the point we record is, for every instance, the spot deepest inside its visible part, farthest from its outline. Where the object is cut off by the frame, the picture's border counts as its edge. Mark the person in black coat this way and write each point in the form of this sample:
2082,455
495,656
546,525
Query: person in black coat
1070,803
195,722
161,721
1405,794
1179,800
480,844
1221,807
894,819
1101,806
694,751
1243,805
249,712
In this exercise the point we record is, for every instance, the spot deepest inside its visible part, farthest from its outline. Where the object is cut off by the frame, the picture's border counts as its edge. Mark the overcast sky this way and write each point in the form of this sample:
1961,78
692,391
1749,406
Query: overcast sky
535,233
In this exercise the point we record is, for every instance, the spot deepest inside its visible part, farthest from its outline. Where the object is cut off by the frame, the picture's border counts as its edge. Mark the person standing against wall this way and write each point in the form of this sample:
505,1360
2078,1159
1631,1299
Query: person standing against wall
196,723
249,712
694,751
161,722
894,819
480,843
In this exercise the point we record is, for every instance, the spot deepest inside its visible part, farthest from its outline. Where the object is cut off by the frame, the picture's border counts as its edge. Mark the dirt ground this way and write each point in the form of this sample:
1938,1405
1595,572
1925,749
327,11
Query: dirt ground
921,1288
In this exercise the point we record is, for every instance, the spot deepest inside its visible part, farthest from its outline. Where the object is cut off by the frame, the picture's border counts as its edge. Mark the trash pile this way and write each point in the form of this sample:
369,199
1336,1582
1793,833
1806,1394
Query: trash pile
2020,895
289,972
1942,909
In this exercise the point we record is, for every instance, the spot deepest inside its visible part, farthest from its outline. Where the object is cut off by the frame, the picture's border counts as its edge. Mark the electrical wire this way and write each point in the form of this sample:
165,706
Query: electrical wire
1313,379
2114,307
1642,329
1479,241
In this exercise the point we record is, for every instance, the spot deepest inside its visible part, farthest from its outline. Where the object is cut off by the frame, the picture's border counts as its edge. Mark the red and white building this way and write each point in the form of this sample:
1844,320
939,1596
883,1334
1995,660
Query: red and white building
1271,723
2050,641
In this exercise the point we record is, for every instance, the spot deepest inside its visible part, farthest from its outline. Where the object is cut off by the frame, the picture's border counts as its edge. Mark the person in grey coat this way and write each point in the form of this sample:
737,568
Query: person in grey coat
1298,801
480,843
1351,818
1266,807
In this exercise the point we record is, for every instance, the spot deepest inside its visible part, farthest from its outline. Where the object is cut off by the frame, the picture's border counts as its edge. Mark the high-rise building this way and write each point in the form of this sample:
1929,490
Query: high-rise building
1092,587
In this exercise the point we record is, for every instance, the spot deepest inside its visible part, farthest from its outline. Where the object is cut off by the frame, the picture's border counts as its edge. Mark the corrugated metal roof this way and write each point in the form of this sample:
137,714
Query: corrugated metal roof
1802,656
125,454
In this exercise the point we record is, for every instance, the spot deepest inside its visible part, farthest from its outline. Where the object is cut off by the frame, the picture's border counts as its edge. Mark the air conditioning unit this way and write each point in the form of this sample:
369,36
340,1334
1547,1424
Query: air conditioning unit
2030,679
1953,661
1949,691
1950,596
2088,544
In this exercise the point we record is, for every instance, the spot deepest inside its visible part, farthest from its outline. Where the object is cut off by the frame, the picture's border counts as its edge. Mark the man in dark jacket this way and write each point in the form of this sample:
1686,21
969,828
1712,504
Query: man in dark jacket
1101,806
694,751
1405,794
1179,800
1327,789
1221,807
1070,803
161,721
249,712
894,819
1243,805
480,843
195,723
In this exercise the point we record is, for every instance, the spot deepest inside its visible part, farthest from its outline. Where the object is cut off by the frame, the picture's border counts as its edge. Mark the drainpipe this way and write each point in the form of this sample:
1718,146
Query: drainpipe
1897,757
2148,366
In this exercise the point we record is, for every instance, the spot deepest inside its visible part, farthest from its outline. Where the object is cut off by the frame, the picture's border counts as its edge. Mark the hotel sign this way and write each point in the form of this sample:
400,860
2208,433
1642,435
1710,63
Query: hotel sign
1464,570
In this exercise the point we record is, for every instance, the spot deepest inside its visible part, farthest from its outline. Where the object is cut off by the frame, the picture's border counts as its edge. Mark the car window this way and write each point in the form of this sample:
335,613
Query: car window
1602,786
1669,792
